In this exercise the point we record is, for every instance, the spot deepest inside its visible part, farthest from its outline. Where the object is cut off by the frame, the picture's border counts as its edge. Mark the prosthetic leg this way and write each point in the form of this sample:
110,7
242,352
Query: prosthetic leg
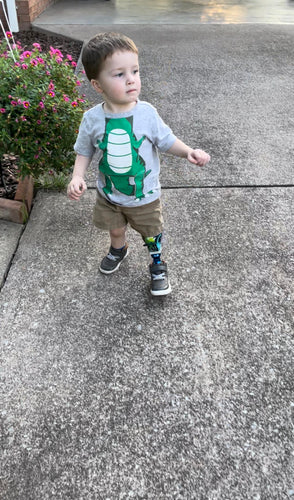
153,244
158,268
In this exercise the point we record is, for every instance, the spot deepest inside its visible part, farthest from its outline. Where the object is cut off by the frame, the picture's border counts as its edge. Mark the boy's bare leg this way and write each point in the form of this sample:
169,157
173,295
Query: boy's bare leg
118,237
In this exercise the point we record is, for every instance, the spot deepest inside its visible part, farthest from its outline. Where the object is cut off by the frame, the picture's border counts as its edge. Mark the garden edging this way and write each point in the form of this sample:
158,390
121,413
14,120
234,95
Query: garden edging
18,209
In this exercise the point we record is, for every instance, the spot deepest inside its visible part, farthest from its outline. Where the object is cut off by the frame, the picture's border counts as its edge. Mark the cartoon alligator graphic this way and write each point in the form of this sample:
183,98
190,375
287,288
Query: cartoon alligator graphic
121,160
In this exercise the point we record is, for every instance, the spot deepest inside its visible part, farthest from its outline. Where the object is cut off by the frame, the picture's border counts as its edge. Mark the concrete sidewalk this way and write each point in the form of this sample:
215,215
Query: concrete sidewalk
163,12
108,393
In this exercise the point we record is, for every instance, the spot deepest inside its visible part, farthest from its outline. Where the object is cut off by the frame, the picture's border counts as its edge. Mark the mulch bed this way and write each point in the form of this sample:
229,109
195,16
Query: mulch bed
8,163
8,176
64,44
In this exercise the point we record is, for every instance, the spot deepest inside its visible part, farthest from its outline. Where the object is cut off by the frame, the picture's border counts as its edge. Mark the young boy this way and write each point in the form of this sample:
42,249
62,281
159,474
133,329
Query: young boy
127,133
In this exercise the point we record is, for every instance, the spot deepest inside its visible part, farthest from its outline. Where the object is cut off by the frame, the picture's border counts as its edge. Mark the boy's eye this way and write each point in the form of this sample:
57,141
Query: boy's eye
119,74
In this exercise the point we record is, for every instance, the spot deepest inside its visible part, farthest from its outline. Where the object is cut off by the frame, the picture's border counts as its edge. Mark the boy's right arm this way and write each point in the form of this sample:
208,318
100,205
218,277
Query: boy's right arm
77,185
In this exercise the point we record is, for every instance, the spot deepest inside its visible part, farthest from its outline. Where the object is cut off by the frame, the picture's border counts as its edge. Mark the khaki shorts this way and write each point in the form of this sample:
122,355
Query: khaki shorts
146,219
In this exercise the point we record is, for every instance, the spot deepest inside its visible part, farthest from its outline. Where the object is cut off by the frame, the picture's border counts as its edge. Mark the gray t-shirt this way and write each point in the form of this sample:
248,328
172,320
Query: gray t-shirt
127,145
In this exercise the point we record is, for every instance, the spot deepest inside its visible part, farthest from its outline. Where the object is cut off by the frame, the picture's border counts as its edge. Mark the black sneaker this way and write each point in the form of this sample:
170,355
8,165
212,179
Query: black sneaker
113,259
159,279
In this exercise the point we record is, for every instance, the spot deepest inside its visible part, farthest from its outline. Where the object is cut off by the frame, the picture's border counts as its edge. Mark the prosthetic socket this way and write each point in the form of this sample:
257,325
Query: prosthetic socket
153,244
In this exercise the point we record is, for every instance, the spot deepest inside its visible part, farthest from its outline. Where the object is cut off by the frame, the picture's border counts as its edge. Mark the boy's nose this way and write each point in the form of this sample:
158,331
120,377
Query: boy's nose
130,78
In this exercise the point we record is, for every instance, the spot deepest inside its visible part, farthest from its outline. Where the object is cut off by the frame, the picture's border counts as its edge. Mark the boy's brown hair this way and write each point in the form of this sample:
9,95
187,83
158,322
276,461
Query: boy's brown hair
102,46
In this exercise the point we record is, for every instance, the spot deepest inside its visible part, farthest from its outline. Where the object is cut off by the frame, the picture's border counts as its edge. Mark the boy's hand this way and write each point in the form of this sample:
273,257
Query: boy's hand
76,188
198,157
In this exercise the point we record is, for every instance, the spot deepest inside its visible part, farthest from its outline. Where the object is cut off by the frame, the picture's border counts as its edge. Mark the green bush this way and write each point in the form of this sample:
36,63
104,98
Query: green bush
40,108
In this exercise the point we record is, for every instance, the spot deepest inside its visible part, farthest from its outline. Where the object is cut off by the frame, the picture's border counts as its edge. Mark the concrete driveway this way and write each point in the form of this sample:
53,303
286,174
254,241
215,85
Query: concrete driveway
108,393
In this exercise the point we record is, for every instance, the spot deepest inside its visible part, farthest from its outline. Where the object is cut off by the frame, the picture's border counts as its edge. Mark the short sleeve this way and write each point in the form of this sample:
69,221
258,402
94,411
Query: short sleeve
83,145
162,135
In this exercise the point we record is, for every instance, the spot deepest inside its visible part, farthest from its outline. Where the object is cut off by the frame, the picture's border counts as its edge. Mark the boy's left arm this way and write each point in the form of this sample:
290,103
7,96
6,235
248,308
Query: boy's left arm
196,156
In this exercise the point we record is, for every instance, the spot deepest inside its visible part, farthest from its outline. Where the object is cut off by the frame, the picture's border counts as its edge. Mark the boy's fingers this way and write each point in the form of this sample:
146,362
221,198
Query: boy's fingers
203,159
73,193
73,196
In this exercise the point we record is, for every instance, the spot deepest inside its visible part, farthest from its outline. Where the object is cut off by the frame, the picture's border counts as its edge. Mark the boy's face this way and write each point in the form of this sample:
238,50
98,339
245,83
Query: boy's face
119,81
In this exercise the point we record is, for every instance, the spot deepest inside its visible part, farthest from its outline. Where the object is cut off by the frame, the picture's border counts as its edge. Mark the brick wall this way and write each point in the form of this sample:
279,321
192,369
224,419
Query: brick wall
38,6
23,14
27,11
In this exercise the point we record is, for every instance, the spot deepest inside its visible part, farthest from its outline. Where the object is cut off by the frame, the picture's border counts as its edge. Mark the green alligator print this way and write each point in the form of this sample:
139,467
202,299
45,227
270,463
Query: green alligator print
121,160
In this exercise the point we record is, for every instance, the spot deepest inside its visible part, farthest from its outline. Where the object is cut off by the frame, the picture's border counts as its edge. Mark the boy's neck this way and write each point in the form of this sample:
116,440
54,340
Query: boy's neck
117,108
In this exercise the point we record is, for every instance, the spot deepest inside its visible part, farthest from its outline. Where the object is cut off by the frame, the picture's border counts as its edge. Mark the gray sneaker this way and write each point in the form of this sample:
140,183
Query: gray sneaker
159,279
113,259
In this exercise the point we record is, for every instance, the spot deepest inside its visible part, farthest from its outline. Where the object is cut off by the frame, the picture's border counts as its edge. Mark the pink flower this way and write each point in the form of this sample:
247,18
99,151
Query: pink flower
51,93
34,62
26,54
24,66
56,52
69,57
65,98
74,104
13,103
39,122
37,46
74,64
78,83
41,105
17,64
2,110
26,104
23,118
58,60
51,85
40,60
8,34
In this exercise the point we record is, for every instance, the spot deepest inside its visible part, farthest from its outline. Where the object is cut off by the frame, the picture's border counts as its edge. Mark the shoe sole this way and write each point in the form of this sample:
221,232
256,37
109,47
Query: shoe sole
157,293
103,271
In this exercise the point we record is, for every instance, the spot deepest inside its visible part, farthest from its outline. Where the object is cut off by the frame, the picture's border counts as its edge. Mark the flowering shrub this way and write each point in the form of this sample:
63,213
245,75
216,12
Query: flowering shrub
40,108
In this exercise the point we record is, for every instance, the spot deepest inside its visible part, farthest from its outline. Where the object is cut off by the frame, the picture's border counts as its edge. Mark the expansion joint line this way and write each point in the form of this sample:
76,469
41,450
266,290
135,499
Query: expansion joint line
223,186
231,186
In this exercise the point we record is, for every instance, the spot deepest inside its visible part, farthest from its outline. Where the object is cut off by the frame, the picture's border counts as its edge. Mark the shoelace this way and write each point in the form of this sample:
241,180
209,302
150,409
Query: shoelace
112,257
160,276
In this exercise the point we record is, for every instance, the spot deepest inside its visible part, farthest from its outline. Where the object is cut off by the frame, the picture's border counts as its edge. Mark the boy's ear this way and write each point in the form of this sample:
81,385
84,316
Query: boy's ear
96,86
